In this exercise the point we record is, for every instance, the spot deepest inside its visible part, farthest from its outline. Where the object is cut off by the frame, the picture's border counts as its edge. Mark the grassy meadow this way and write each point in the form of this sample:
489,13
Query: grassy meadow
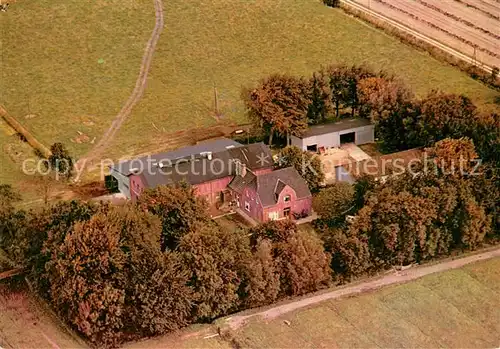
68,66
453,309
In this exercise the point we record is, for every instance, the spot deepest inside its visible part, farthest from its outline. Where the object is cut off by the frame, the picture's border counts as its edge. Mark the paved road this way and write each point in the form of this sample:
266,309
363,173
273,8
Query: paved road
237,321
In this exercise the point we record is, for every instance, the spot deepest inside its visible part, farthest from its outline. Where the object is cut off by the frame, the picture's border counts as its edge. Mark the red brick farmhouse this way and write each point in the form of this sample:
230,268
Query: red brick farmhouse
225,173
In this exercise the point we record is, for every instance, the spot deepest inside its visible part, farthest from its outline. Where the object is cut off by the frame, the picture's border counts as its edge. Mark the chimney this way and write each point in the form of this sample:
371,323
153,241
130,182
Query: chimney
209,155
243,170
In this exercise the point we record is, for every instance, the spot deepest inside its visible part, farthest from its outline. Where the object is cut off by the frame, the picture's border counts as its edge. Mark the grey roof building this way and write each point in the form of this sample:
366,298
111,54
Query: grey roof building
351,130
122,170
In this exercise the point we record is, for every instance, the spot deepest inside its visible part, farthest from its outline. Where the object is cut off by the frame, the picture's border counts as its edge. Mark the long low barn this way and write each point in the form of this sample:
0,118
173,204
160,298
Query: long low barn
352,130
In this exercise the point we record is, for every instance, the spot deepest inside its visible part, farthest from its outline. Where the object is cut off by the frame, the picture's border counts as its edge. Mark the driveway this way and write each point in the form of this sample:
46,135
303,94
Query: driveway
334,157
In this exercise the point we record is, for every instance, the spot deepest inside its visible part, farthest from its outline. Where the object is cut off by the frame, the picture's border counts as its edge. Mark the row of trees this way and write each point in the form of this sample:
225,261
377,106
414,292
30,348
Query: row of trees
120,273
285,105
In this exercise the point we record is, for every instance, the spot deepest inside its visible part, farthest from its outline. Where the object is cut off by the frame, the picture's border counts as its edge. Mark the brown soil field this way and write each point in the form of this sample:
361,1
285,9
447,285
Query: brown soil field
460,24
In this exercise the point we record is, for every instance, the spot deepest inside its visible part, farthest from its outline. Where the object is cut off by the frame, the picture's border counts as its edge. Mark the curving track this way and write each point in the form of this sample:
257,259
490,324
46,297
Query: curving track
136,95
454,26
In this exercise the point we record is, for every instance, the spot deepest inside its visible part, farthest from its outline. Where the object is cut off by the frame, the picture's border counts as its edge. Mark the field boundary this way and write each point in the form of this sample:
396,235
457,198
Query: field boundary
399,277
16,125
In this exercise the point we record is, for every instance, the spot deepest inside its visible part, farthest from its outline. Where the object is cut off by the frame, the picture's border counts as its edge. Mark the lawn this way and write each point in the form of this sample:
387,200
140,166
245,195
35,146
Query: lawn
68,66
457,309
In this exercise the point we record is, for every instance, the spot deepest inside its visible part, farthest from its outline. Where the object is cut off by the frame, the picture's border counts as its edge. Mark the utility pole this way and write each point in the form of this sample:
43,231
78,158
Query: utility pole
216,101
475,57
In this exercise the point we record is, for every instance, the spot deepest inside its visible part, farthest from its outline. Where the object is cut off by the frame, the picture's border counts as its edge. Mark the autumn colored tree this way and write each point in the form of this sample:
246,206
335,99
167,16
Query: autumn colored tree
307,165
441,116
379,98
321,98
302,264
485,132
263,280
60,160
86,280
475,225
349,250
344,85
279,105
11,221
8,198
397,225
110,280
299,257
454,156
178,207
334,202
218,259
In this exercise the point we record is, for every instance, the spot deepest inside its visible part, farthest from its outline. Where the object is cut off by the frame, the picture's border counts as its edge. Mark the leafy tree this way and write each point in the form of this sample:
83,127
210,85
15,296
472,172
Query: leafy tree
302,264
334,202
274,231
279,105
263,280
321,101
60,160
475,225
8,198
87,282
299,257
332,3
344,85
178,207
160,299
11,221
494,73
380,98
109,278
441,116
218,259
397,224
308,165
485,132
454,156
350,252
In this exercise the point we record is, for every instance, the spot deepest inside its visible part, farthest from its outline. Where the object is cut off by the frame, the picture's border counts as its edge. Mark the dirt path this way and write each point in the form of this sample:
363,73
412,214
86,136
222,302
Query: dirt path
237,321
136,95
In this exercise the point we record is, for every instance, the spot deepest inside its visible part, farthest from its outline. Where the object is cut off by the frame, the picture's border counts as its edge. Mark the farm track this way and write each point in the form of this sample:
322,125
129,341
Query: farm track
235,322
434,27
136,95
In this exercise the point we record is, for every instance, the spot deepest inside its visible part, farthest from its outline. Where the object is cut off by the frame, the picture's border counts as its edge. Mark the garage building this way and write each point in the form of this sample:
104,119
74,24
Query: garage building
352,130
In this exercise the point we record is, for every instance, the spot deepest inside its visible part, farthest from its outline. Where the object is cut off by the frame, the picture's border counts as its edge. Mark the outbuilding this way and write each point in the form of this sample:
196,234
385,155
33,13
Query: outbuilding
351,130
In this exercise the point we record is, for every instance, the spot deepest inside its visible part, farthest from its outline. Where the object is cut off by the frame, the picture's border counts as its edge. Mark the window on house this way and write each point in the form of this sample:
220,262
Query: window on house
286,212
247,206
287,198
273,215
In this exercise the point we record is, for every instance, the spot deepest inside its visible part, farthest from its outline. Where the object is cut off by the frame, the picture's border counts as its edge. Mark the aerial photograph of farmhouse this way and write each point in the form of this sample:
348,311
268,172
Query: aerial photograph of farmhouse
233,174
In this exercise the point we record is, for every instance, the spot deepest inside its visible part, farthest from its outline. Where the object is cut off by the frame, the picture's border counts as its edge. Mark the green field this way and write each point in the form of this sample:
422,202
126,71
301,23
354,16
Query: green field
454,309
70,65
